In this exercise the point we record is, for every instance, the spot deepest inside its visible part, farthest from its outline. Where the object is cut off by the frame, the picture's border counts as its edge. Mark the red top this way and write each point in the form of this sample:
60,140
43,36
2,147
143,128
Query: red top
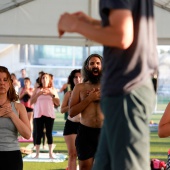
26,98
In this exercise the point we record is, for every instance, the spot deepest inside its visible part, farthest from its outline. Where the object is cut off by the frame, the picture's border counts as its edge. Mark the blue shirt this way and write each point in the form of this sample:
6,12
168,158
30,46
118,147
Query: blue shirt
124,70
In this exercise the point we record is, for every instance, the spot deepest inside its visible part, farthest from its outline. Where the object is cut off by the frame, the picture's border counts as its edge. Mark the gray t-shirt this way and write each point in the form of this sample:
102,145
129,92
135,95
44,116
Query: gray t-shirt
124,70
8,133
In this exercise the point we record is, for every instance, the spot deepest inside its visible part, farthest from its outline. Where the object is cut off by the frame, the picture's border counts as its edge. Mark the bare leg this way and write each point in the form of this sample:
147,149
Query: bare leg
37,151
51,151
30,117
86,164
72,159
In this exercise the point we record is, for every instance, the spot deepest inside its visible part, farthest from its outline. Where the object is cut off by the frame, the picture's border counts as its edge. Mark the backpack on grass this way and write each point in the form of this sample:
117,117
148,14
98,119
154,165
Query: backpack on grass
156,164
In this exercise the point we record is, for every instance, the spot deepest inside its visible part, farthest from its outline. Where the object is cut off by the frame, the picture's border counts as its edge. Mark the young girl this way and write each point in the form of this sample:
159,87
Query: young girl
24,96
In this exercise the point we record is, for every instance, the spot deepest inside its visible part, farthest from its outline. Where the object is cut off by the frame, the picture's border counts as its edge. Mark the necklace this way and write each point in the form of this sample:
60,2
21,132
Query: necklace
3,103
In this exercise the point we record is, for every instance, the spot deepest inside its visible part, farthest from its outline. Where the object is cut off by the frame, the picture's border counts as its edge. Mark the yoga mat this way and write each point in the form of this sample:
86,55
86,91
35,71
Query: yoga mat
44,157
57,133
153,127
21,139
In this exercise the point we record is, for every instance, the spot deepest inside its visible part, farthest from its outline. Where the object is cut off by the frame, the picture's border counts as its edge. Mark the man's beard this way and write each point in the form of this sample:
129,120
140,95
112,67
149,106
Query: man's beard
94,79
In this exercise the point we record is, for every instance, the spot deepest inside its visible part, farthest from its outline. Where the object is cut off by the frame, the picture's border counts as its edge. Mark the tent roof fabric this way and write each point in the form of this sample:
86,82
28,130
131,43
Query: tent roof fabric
6,5
34,21
164,4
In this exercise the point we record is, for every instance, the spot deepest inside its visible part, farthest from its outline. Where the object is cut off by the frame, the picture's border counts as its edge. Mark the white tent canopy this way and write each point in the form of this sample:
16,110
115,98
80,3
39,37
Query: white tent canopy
34,21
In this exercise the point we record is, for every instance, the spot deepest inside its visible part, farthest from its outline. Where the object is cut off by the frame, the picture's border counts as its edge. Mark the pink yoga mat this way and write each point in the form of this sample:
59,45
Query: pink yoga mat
20,139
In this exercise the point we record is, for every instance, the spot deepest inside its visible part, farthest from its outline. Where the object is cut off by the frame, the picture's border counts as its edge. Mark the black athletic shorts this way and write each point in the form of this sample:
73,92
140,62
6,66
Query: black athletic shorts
70,127
11,160
29,109
87,141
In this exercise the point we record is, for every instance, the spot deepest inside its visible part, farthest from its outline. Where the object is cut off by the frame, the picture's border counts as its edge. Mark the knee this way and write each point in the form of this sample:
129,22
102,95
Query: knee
72,154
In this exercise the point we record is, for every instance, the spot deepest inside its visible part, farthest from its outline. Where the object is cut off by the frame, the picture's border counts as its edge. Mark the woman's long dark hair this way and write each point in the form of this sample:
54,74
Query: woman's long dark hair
71,77
11,94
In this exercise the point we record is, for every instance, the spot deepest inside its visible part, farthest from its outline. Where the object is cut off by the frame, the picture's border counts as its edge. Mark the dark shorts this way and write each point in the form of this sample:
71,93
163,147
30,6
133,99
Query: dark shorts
70,127
11,160
87,141
29,109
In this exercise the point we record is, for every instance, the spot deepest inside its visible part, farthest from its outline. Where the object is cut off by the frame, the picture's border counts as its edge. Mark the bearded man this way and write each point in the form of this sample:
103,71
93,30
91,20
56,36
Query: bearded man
85,99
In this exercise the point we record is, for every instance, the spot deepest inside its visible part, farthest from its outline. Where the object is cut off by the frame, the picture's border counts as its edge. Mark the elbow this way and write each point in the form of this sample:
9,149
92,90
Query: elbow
57,101
124,46
71,114
161,134
27,136
62,111
125,43
125,39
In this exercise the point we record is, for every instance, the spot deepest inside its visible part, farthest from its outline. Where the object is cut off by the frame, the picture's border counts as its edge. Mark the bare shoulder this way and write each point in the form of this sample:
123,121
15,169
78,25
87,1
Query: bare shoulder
18,106
79,85
82,85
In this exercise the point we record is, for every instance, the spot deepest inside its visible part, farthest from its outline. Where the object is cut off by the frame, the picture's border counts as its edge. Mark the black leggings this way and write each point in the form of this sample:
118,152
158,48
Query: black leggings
42,122
35,134
11,160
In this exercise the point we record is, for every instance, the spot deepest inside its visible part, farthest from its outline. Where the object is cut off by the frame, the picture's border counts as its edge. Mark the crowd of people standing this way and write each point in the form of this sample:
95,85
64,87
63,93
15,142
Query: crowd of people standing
39,102
112,117
81,102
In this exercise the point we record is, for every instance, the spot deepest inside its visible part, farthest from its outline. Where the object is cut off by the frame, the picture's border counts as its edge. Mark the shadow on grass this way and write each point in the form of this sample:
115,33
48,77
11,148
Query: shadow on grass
160,143
60,151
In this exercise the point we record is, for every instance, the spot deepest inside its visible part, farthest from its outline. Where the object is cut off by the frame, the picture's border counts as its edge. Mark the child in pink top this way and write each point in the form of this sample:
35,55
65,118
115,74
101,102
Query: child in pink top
24,96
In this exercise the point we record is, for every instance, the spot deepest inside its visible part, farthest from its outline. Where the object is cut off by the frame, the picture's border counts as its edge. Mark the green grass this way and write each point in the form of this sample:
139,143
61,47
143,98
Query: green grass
158,146
158,149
